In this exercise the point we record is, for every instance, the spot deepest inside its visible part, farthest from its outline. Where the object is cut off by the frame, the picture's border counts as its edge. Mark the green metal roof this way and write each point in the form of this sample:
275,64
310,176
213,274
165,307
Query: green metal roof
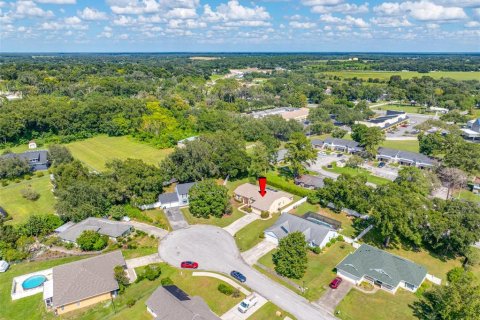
383,266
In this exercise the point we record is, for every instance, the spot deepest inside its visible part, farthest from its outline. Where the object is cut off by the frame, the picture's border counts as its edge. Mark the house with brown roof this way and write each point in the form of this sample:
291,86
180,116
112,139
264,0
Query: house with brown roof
83,283
272,201
172,303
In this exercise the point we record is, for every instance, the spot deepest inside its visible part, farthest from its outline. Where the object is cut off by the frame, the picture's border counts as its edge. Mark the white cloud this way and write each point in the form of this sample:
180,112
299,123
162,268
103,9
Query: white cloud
181,13
391,22
345,8
302,25
472,24
30,9
123,36
57,1
476,12
421,10
106,33
92,14
233,10
186,24
357,22
73,20
124,21
134,6
312,3
349,20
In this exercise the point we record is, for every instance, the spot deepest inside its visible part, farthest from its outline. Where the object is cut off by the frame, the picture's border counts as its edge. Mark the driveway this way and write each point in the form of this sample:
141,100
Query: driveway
323,160
234,314
241,223
149,229
252,255
390,173
333,297
175,218
215,250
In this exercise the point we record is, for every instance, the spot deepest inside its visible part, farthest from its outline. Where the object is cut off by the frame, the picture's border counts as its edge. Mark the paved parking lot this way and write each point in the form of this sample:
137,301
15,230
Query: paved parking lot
324,160
390,173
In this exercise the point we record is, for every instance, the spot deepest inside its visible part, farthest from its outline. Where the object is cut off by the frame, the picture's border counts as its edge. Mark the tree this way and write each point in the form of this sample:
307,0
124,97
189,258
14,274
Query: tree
152,271
13,167
459,300
117,212
30,194
291,257
338,133
318,115
121,277
368,137
354,161
207,199
91,240
452,178
38,225
58,154
416,180
259,161
300,152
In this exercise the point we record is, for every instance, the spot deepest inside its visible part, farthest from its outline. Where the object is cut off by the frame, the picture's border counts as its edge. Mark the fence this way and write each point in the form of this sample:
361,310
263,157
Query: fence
294,205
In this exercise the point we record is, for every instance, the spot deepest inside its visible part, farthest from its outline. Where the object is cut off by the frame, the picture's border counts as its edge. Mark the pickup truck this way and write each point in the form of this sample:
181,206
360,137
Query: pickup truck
247,303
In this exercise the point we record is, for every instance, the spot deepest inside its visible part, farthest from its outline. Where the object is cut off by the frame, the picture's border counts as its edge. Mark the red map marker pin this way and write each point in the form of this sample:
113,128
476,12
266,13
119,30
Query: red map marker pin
262,182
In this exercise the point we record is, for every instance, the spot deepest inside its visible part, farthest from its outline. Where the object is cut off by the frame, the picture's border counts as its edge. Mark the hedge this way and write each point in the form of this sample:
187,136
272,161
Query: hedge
279,182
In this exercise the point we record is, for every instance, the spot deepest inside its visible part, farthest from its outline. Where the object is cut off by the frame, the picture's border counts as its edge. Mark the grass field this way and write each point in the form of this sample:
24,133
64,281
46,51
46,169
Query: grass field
407,145
249,236
397,107
385,75
268,312
20,208
319,268
96,152
468,195
379,306
358,172
219,222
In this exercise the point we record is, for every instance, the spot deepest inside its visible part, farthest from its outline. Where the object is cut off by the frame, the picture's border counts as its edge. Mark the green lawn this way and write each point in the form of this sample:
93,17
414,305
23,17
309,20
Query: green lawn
347,222
399,107
379,306
219,222
269,311
385,75
319,269
407,145
145,245
20,208
96,152
250,235
358,172
468,195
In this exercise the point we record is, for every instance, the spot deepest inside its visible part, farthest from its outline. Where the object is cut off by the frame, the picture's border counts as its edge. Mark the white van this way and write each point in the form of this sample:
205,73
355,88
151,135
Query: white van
247,303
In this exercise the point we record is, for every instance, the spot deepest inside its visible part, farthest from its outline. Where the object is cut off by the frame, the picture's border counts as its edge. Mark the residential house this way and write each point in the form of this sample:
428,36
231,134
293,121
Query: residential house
476,185
317,143
299,114
317,234
310,182
38,159
182,143
32,145
112,229
167,200
172,303
405,158
83,283
272,201
382,269
4,266
472,131
342,145
391,119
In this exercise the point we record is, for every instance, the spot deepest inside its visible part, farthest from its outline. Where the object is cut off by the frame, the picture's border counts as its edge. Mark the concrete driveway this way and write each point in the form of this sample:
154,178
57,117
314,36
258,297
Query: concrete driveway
333,297
215,250
234,314
252,255
325,159
238,224
175,218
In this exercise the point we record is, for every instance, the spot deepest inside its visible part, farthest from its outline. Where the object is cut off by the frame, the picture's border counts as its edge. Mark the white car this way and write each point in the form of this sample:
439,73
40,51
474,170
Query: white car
247,303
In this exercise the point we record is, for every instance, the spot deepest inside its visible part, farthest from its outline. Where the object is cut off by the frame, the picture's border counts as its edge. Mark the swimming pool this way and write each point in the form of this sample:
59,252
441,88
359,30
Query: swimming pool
33,282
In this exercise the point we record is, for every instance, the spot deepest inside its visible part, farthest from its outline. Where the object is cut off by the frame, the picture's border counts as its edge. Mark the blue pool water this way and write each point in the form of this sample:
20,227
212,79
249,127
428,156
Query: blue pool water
33,282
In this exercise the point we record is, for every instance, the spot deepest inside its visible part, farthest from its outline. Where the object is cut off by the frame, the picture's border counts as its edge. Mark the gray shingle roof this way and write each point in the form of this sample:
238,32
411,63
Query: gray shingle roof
342,142
106,227
171,303
86,278
383,266
37,159
406,156
309,180
288,223
183,188
317,142
169,197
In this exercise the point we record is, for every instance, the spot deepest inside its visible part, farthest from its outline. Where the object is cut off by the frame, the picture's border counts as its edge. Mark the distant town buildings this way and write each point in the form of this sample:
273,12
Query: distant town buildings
392,118
298,114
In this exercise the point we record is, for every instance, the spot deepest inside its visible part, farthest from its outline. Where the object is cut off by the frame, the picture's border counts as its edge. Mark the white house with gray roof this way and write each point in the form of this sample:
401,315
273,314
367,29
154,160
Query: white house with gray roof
342,145
113,229
405,158
382,269
316,234
172,303
167,200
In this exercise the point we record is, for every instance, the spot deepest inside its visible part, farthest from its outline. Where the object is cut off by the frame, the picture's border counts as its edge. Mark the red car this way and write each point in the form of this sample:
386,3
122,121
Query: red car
335,283
189,265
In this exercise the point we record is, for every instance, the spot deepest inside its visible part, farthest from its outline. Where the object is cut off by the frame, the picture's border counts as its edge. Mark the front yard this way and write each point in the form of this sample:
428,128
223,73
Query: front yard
319,269
252,234
269,311
219,222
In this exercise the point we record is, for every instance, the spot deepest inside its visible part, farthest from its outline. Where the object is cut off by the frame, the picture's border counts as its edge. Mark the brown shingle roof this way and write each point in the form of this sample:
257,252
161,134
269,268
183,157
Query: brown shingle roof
249,190
84,279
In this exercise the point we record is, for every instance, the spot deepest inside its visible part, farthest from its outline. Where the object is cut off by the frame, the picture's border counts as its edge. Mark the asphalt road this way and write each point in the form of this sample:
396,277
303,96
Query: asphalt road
215,250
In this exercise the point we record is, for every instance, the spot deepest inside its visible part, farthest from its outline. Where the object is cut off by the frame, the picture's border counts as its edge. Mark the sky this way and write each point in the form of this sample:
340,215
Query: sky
239,26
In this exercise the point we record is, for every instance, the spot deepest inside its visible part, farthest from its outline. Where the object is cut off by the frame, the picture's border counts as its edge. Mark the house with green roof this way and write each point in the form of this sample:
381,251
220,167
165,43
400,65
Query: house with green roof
382,269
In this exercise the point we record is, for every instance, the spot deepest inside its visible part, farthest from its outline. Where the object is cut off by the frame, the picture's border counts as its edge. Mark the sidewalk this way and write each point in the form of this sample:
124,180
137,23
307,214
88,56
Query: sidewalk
235,226
252,255
231,282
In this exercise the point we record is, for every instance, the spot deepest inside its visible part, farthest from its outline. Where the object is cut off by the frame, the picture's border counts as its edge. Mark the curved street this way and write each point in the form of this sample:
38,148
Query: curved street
215,250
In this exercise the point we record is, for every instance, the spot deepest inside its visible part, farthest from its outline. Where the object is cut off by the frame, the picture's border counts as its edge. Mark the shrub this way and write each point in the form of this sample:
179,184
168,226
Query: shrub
166,282
39,174
248,209
131,302
117,212
152,272
264,214
236,293
30,194
90,240
340,238
315,250
140,277
69,245
27,177
225,289
17,180
287,186
4,183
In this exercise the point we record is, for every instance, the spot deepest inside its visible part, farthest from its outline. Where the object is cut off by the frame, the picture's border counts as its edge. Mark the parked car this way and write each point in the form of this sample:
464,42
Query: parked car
237,275
247,303
335,283
339,155
381,164
189,265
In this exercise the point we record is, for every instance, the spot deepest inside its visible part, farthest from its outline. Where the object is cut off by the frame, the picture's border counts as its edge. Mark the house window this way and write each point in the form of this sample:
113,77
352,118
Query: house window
409,286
